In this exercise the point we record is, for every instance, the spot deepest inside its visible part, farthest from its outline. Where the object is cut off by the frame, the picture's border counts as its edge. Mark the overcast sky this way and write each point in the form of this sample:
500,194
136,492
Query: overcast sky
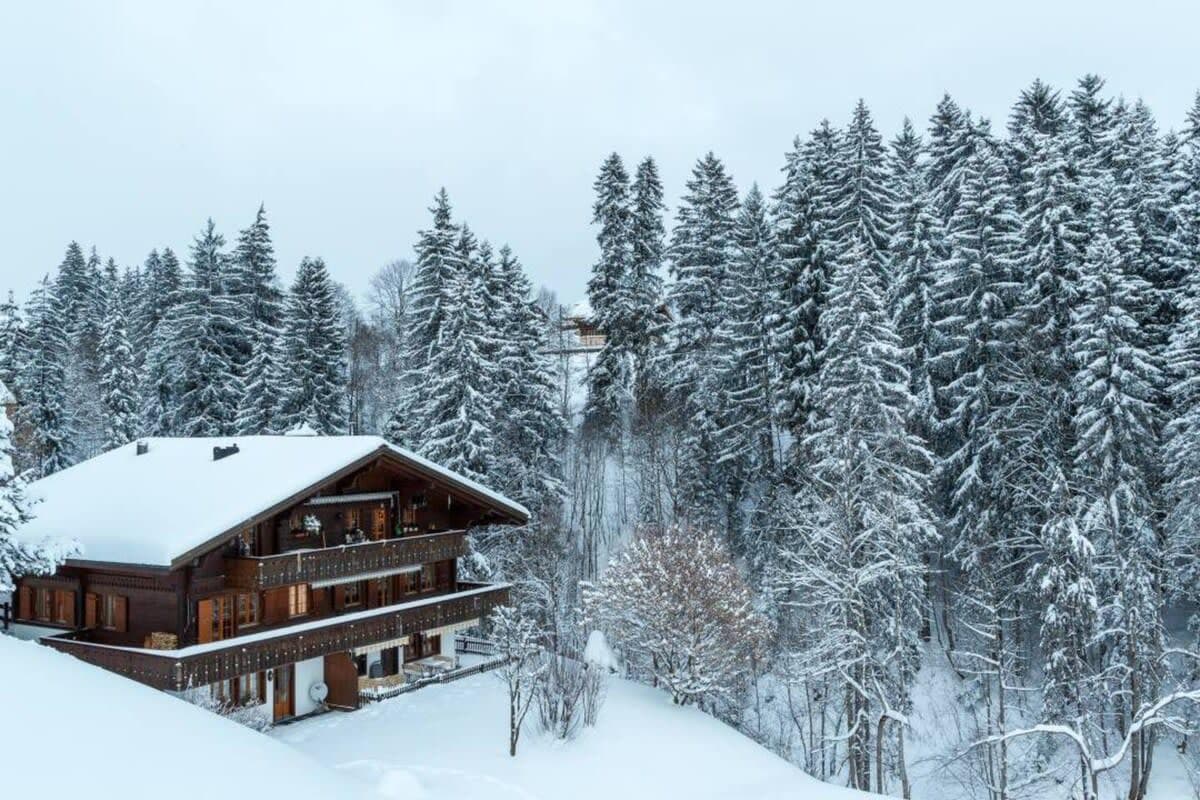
126,125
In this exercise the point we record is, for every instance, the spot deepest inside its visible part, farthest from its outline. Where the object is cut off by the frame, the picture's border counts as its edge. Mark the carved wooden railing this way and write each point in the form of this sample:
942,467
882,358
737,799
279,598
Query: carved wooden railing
204,664
343,561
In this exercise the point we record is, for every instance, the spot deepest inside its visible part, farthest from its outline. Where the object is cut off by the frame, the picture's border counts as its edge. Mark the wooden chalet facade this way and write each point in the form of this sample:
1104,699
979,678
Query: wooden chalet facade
342,575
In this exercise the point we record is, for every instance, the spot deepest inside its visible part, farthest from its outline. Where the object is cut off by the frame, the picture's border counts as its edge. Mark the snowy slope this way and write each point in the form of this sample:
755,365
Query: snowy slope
72,730
451,741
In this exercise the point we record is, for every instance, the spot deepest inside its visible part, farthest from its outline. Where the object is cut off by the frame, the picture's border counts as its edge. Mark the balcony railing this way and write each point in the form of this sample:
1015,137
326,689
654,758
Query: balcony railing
208,663
343,561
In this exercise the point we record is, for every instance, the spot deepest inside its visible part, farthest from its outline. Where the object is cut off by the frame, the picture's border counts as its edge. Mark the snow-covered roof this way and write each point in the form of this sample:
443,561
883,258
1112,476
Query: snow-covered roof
156,508
580,310
6,397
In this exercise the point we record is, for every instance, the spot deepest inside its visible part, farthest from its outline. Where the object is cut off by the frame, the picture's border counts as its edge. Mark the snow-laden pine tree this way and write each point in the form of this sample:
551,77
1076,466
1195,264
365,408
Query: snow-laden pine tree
532,429
433,282
702,247
261,311
19,558
456,422
610,376
1116,451
118,372
1038,112
12,340
646,324
856,566
862,200
977,292
1065,580
160,316
803,216
1091,118
1053,236
951,142
312,382
1181,459
206,390
42,386
916,255
751,437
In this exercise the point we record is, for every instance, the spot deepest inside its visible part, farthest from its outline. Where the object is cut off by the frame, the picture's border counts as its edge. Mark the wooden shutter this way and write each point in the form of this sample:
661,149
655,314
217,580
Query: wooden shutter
69,599
90,607
339,597
25,603
121,609
204,619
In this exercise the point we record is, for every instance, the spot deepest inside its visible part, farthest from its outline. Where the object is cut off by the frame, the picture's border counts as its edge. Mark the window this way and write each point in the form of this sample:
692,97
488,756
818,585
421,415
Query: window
352,594
64,607
248,541
247,610
44,602
248,689
112,612
298,600
428,577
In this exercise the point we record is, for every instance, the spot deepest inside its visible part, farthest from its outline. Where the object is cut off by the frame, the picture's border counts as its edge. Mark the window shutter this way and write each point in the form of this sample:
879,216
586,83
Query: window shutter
339,597
122,612
69,600
25,603
90,602
204,617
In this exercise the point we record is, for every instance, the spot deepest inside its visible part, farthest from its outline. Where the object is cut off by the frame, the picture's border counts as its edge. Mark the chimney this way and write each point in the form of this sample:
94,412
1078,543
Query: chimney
143,448
223,452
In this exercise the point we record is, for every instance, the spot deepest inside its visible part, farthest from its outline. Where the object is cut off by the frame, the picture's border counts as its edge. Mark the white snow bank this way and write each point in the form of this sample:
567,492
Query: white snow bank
598,653
156,507
74,730
452,741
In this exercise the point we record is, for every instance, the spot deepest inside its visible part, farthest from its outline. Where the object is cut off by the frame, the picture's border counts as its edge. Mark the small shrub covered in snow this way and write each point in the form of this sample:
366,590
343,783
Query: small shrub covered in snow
676,608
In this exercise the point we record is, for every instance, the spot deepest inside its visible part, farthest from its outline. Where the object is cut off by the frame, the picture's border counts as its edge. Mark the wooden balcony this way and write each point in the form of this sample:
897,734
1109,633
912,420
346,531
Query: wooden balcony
208,663
343,561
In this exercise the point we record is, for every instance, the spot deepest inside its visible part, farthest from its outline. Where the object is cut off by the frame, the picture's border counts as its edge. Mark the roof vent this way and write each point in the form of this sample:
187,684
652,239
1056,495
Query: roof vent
143,448
224,452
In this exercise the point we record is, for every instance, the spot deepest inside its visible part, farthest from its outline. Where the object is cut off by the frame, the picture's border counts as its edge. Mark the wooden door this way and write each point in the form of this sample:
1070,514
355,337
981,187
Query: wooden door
341,676
285,701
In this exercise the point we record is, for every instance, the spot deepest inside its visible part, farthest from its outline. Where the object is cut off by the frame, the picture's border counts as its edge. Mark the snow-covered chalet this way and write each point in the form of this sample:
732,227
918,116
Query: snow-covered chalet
289,573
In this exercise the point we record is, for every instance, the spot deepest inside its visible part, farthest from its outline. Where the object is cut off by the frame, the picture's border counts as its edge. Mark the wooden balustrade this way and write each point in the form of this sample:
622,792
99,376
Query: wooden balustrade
178,670
344,561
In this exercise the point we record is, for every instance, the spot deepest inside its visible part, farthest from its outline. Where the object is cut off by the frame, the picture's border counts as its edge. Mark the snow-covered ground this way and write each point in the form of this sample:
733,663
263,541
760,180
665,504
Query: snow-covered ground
68,729
452,741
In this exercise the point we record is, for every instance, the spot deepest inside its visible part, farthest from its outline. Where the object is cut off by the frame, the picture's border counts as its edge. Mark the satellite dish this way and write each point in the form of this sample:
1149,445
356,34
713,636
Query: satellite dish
318,692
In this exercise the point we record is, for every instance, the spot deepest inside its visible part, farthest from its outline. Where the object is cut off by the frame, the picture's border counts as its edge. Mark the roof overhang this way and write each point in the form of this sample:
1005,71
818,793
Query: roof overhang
501,512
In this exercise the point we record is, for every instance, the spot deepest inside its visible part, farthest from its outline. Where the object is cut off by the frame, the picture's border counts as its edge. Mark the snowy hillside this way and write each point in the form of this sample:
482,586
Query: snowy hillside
450,741
68,726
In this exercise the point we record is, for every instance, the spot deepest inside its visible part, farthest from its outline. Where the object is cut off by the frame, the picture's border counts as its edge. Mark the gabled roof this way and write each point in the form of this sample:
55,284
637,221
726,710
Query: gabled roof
161,507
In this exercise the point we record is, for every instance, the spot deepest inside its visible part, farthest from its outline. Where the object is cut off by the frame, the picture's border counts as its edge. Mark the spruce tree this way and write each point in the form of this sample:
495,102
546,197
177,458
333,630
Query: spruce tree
118,375
803,216
312,387
1116,452
751,436
12,340
916,253
433,282
42,385
701,252
261,304
206,390
862,202
865,522
610,376
646,324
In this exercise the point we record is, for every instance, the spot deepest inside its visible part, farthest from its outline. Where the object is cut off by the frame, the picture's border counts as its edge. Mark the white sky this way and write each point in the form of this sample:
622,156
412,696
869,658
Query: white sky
126,125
